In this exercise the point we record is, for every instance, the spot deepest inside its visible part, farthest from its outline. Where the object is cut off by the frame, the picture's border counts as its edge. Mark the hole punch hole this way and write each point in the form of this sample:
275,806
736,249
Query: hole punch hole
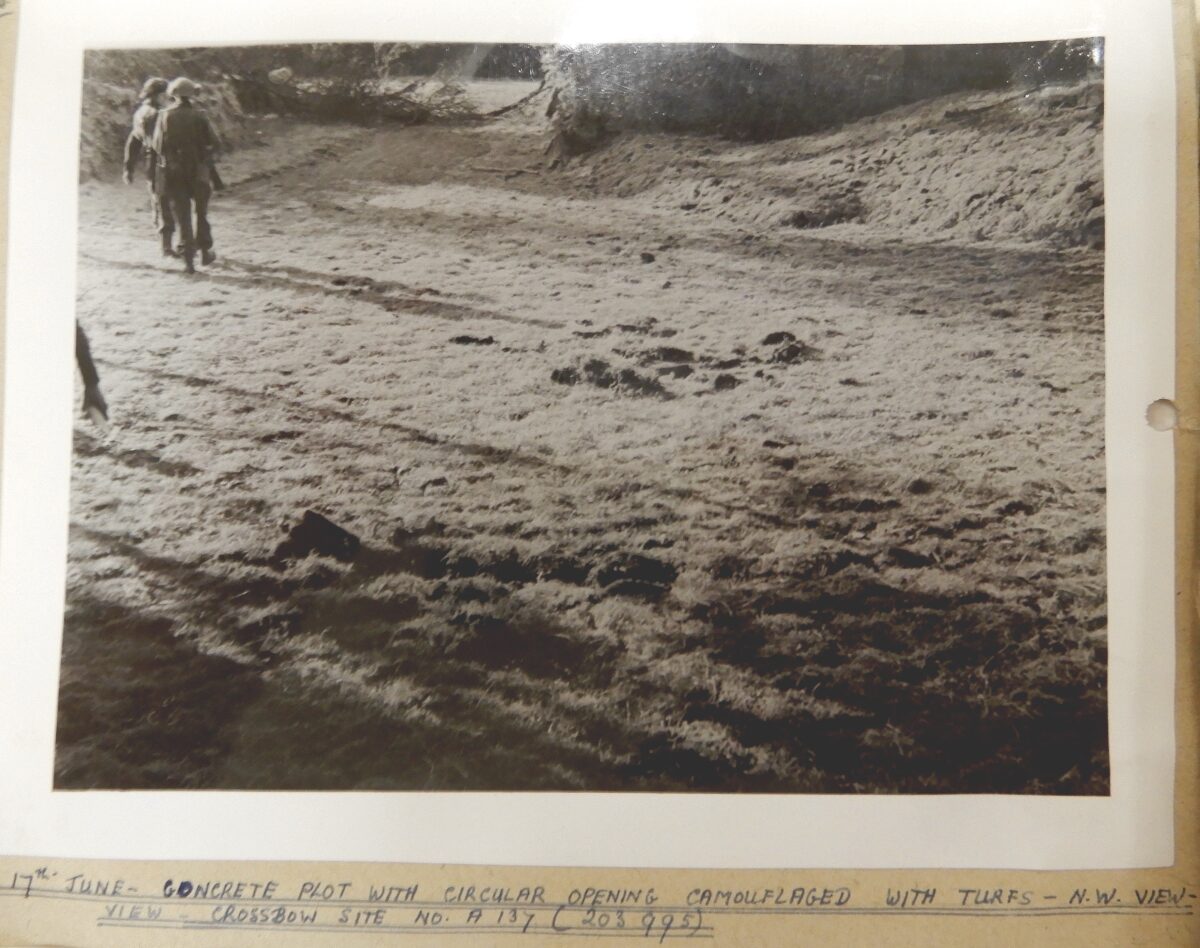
1162,415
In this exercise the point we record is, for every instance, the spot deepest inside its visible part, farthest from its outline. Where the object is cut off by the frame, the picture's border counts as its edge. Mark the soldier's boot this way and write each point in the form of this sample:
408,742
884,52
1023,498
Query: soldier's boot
189,265
167,249
207,257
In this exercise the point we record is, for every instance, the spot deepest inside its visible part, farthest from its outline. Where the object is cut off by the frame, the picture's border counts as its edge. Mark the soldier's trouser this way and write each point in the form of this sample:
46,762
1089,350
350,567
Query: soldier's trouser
164,218
181,203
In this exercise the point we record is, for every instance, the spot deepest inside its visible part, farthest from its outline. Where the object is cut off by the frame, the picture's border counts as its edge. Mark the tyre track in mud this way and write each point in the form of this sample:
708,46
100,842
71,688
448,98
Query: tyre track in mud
564,221
88,445
391,297
303,281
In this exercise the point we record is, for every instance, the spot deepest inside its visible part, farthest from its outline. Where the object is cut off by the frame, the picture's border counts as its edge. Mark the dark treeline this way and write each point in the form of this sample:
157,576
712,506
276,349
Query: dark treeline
767,92
347,61
590,94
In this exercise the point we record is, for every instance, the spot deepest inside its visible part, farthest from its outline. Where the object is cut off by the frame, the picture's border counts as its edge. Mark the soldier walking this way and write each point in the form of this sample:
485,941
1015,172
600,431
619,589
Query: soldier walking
139,150
185,144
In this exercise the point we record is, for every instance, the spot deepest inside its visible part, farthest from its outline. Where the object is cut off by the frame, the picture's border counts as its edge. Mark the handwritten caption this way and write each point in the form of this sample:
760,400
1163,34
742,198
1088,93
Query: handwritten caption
332,905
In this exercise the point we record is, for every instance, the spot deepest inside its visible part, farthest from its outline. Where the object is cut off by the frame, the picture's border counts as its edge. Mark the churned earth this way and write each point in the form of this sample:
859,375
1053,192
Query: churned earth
692,464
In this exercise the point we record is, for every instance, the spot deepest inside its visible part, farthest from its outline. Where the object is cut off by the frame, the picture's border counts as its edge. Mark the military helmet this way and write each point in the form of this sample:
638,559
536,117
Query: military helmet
152,87
182,88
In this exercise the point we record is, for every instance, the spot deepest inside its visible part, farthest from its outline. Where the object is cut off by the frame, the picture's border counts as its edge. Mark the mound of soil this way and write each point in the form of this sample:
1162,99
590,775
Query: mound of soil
1013,166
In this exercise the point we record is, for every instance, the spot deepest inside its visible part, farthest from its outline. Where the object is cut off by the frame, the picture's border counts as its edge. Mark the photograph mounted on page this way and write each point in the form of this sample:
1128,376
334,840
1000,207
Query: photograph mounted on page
722,418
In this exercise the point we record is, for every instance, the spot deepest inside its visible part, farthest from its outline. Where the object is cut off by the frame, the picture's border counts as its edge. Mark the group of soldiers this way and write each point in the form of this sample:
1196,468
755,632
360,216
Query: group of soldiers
175,144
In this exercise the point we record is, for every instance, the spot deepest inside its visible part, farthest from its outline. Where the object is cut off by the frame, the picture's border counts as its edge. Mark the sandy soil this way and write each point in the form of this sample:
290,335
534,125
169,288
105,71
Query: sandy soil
693,464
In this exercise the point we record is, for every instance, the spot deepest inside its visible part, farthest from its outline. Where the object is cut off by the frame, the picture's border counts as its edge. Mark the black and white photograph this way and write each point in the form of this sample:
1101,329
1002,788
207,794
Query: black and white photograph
713,418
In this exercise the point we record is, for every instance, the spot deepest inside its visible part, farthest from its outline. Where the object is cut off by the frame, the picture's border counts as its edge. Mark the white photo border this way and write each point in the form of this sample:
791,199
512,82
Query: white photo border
1133,827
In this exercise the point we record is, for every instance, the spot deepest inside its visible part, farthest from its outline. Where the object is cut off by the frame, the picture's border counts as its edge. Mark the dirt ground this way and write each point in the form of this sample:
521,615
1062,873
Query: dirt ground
693,464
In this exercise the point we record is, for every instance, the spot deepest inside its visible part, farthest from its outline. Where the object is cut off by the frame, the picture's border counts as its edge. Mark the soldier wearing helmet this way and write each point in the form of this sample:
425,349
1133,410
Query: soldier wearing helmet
185,143
139,150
